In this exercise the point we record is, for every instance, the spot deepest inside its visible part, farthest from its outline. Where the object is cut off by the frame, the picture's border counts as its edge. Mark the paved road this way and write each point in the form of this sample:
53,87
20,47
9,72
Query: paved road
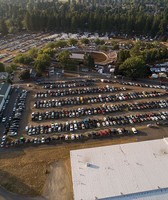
5,195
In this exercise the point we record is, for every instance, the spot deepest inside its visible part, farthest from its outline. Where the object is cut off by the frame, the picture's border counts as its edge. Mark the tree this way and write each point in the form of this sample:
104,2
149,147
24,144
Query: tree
135,19
48,51
123,55
3,27
85,41
64,56
89,60
103,47
24,75
135,51
8,69
28,21
51,45
61,44
13,66
115,45
2,67
33,53
73,42
155,54
134,67
42,62
9,81
98,41
24,59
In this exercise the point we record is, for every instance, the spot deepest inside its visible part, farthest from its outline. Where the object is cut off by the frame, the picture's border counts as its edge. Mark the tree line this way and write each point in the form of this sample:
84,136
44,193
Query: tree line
128,17
134,63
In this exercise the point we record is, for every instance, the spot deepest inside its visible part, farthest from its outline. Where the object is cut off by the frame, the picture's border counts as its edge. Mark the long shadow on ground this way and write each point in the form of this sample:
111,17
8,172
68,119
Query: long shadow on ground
11,184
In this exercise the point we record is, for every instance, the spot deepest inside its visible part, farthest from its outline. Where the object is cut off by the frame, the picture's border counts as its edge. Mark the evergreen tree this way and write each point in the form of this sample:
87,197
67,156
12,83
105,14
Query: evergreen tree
3,27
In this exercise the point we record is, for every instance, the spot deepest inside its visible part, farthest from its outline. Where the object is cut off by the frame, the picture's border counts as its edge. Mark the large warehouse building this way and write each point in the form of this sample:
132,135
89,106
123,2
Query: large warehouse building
121,172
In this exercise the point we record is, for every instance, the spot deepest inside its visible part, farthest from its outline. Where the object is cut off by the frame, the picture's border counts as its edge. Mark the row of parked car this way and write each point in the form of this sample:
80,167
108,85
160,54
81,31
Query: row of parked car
50,82
87,123
105,133
78,112
2,119
87,90
130,83
96,99
12,122
134,84
103,109
50,85
145,85
148,105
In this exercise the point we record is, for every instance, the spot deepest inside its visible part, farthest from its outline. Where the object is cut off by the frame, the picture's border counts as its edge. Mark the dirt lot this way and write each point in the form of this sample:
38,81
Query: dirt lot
24,171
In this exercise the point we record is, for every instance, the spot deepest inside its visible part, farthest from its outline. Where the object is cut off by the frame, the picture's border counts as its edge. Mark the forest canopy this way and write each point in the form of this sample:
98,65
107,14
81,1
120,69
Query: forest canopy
142,17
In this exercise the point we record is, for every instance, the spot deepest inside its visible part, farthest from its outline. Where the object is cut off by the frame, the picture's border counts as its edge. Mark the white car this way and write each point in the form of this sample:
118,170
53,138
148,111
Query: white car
134,130
42,140
3,119
3,138
72,137
119,131
26,128
71,128
13,133
66,137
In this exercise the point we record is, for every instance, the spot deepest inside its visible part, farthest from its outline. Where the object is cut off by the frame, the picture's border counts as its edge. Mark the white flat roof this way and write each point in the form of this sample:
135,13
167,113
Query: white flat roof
119,170
77,56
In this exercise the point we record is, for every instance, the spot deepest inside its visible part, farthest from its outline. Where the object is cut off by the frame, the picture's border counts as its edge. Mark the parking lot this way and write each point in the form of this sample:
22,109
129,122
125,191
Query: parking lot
82,110
11,114
23,42
10,47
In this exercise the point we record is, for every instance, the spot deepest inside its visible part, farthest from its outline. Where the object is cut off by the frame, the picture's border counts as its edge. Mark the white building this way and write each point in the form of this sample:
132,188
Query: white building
2,101
4,91
126,171
3,75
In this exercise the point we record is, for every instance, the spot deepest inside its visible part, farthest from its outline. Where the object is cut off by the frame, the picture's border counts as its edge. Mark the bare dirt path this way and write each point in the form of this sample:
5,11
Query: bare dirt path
58,185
